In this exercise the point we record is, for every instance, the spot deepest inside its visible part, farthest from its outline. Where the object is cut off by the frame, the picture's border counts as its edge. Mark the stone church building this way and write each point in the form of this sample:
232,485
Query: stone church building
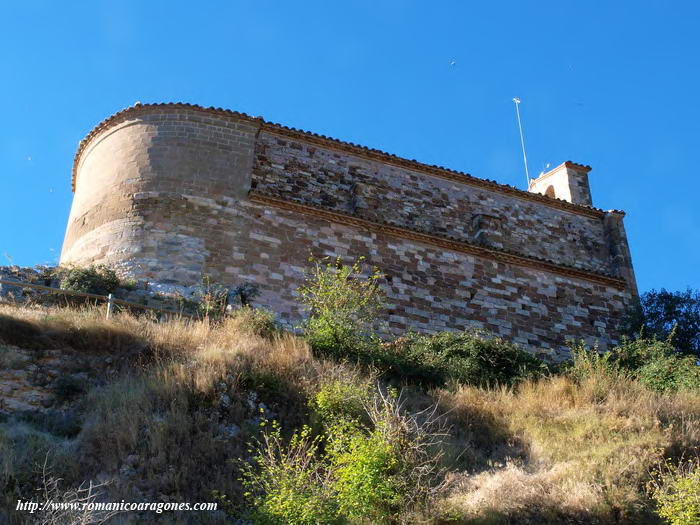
172,192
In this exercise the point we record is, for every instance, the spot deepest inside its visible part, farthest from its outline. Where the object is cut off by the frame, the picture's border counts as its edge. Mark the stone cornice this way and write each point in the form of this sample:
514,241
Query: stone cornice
348,147
434,240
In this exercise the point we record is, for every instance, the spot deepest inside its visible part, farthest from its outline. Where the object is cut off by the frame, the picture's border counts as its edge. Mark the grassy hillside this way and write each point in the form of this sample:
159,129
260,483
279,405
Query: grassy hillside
338,425
241,413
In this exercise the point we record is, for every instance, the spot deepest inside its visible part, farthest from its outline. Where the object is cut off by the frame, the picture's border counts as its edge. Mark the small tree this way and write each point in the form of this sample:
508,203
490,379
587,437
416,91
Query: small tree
343,303
663,314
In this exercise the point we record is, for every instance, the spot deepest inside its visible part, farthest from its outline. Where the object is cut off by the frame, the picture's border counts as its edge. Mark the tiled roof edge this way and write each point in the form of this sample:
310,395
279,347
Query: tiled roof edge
576,166
357,149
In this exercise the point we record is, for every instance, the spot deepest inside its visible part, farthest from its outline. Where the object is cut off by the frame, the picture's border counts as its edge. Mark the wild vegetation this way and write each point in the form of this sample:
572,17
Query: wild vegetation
99,280
675,315
339,426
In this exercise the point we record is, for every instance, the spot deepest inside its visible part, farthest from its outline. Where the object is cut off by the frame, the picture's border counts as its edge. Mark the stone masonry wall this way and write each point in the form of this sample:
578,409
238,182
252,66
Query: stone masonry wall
428,288
305,173
170,193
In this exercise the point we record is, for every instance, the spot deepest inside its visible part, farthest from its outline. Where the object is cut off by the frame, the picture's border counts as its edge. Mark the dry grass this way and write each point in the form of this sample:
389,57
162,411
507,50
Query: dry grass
86,328
190,394
513,492
187,396
582,450
186,403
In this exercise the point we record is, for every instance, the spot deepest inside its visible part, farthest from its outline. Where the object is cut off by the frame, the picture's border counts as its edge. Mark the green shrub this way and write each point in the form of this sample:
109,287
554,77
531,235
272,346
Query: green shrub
598,371
676,491
130,284
367,470
343,305
672,316
339,399
589,362
98,280
655,364
288,483
633,354
469,357
211,298
670,373
389,467
245,292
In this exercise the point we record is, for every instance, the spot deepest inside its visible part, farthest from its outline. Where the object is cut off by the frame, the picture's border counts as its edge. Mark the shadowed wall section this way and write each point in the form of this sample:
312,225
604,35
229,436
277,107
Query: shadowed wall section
155,194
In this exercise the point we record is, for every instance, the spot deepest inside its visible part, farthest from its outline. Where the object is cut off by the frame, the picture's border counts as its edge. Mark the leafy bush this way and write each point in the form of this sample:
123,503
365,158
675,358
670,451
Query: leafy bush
589,362
655,364
633,354
367,471
99,280
676,491
391,465
288,483
211,298
339,399
468,357
343,304
670,373
129,284
597,373
352,470
245,292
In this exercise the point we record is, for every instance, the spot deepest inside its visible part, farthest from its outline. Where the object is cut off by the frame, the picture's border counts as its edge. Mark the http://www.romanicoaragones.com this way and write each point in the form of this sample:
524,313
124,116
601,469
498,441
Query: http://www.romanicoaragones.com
117,506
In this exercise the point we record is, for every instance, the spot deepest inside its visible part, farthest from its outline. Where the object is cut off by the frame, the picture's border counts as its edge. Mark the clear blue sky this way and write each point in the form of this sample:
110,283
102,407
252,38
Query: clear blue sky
610,84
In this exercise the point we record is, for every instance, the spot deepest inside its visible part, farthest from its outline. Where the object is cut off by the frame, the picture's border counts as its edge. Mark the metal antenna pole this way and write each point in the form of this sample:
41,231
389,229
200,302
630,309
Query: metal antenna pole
522,141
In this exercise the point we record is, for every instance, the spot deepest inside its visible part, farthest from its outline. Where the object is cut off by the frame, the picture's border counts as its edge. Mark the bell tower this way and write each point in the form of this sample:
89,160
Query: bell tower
568,181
